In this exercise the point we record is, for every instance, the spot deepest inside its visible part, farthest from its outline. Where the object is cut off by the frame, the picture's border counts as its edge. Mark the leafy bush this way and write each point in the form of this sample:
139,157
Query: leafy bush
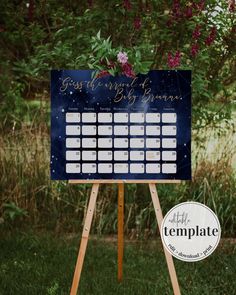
164,34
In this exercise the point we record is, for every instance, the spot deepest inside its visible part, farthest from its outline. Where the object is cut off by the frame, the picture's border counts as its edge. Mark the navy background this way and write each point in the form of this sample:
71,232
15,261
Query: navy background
163,83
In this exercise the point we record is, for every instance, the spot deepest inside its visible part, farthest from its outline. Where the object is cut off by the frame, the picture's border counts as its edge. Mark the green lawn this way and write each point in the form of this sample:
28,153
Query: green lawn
43,264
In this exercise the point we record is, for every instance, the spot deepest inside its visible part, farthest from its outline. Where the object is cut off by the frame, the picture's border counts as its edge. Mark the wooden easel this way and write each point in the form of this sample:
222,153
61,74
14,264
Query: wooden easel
88,221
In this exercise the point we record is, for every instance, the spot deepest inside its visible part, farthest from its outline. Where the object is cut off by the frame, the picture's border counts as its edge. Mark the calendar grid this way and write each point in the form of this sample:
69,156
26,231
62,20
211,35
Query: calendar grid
130,144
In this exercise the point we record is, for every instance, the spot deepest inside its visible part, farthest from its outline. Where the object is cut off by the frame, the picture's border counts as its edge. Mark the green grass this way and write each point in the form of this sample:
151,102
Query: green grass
44,264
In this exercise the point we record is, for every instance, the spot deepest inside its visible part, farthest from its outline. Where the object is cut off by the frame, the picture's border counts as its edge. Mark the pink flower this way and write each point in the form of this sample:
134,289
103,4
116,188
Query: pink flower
176,10
128,70
103,74
127,4
137,23
122,57
189,12
196,33
194,49
31,10
201,5
174,61
231,6
211,37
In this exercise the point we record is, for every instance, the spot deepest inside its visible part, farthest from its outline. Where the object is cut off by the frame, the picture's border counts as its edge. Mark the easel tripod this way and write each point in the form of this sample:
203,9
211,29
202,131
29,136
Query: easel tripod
88,222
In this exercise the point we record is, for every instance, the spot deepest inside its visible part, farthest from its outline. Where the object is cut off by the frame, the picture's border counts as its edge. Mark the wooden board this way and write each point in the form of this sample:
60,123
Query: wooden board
80,181
120,230
84,240
169,258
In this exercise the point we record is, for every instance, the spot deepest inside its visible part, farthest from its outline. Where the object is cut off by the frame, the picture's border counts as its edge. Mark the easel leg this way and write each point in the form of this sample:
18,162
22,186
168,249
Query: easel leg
84,240
120,230
169,259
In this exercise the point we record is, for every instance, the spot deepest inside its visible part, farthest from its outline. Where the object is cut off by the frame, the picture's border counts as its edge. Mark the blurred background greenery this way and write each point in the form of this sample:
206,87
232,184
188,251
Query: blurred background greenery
37,36
39,218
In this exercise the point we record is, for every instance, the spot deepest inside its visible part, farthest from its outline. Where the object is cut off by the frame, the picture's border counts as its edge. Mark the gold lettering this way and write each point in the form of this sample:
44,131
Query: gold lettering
146,95
65,84
133,82
119,95
145,83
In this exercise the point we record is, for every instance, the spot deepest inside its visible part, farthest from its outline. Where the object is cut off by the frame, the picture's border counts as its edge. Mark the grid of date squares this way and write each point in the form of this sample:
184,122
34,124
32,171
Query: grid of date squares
105,142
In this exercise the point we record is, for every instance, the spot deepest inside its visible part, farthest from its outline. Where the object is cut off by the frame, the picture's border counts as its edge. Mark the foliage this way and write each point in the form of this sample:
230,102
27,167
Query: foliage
12,211
104,58
197,35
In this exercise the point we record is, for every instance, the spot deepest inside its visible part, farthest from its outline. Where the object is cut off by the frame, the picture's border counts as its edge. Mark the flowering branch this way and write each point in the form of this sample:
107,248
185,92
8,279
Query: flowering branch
107,60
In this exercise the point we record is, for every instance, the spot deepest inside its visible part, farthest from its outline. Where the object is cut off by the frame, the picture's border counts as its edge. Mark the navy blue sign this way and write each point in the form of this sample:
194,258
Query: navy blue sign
119,127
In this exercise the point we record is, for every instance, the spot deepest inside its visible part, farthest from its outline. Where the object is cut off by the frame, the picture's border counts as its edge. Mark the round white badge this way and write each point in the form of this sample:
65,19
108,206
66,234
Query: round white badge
190,231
